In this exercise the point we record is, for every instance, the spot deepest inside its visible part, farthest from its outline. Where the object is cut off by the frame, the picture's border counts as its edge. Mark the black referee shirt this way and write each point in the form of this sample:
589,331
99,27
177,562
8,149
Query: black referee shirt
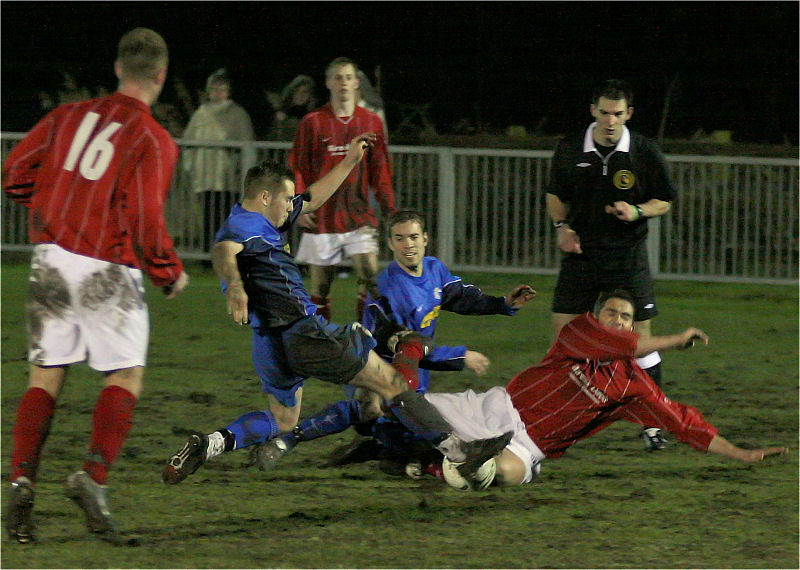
635,172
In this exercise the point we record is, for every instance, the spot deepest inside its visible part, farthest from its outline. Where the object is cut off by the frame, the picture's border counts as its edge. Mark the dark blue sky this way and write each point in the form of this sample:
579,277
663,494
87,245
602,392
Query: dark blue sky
501,63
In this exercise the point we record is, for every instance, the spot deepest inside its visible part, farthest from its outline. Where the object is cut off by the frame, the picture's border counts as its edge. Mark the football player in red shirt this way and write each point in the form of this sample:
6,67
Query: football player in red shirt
346,224
588,380
94,175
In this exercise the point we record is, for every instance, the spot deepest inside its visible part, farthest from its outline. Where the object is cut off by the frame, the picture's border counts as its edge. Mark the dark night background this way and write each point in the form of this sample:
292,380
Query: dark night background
735,64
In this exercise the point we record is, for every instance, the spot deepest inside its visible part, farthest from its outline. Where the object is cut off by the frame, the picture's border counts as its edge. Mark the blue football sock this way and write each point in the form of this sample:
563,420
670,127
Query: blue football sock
253,427
395,438
334,418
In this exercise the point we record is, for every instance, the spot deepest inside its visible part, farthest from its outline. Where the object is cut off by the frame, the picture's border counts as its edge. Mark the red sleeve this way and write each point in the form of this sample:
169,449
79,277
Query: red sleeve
654,409
584,338
300,157
380,176
147,190
22,165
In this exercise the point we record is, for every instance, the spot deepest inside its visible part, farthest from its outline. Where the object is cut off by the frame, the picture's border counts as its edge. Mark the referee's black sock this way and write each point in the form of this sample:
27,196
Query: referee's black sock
655,373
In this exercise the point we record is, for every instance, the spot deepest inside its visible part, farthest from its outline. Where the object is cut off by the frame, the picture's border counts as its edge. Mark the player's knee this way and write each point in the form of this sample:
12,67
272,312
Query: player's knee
510,469
380,377
371,408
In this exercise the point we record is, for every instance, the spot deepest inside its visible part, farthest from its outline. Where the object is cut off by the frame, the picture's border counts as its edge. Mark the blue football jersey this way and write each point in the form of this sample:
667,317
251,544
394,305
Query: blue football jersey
417,301
272,280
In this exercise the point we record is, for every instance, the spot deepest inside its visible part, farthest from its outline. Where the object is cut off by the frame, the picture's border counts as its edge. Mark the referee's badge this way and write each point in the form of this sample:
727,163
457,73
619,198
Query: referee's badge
624,179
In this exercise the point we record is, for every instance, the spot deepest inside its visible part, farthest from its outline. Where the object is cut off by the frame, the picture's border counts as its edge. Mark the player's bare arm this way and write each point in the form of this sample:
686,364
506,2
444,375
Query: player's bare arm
520,295
632,212
324,188
568,239
722,446
685,339
223,258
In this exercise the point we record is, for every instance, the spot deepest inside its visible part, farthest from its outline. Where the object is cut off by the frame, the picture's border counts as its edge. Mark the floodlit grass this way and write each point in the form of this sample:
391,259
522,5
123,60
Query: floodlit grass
607,503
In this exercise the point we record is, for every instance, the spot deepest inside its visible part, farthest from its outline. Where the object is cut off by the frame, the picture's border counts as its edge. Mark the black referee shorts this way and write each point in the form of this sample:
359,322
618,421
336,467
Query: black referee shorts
584,276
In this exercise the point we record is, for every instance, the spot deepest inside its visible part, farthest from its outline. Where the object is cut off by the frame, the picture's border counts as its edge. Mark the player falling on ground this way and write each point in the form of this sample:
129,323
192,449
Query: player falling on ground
291,342
588,380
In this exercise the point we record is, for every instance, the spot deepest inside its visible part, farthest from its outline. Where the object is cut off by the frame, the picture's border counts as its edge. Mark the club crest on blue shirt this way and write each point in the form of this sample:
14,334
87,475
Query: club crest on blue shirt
624,179
437,293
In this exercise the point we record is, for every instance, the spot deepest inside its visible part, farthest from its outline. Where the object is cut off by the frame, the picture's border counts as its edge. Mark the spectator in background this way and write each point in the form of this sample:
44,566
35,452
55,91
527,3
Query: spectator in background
213,170
70,91
175,108
295,101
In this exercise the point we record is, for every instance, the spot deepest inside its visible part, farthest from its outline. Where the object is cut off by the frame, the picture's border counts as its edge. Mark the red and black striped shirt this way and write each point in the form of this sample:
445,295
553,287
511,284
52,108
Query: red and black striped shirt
95,176
589,380
321,142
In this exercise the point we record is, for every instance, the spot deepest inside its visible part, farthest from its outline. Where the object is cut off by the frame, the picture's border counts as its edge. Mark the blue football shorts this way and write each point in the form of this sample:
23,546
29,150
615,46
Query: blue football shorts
309,347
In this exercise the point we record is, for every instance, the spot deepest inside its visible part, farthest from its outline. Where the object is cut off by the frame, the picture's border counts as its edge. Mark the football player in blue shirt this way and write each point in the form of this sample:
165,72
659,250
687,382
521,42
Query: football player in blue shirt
291,342
411,292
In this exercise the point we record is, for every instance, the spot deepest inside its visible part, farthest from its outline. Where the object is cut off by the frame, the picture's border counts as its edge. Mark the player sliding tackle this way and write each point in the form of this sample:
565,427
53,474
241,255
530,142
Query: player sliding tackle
291,342
588,380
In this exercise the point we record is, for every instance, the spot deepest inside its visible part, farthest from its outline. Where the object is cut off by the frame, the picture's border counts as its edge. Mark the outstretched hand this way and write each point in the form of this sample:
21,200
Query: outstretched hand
691,336
476,362
755,455
358,147
520,295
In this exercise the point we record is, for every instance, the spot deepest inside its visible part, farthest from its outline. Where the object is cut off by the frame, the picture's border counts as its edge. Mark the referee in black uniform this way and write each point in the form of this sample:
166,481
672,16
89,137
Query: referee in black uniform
604,185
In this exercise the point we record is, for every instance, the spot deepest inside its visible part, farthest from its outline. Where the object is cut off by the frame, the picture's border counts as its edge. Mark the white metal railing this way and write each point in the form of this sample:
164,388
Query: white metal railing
735,218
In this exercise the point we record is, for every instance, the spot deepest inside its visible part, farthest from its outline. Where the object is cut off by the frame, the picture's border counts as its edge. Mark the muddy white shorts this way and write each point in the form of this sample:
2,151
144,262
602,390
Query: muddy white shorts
331,249
489,414
80,308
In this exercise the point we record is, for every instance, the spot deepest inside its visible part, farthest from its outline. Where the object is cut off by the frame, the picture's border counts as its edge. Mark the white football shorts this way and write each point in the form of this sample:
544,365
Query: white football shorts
80,308
331,249
489,414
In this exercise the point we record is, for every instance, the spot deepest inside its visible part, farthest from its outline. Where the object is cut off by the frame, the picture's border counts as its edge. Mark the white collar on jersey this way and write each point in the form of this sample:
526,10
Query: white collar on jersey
623,144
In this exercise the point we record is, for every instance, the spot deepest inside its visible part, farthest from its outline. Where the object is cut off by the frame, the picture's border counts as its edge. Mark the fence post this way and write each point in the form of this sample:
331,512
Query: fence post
654,245
446,220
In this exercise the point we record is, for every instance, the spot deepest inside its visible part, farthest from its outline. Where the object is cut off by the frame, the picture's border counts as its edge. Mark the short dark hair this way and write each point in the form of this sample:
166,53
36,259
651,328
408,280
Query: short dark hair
401,217
338,62
142,53
614,89
266,175
615,294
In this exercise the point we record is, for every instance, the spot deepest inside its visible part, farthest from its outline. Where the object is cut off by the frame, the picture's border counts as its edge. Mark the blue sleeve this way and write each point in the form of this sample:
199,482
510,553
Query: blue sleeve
230,231
470,300
446,358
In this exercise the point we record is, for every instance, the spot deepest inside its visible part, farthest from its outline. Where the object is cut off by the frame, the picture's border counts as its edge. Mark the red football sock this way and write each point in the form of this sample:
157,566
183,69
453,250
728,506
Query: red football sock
406,361
434,468
30,432
323,306
112,420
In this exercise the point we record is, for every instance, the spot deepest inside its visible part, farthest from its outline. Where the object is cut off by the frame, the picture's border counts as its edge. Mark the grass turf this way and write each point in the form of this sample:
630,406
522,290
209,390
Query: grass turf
607,503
